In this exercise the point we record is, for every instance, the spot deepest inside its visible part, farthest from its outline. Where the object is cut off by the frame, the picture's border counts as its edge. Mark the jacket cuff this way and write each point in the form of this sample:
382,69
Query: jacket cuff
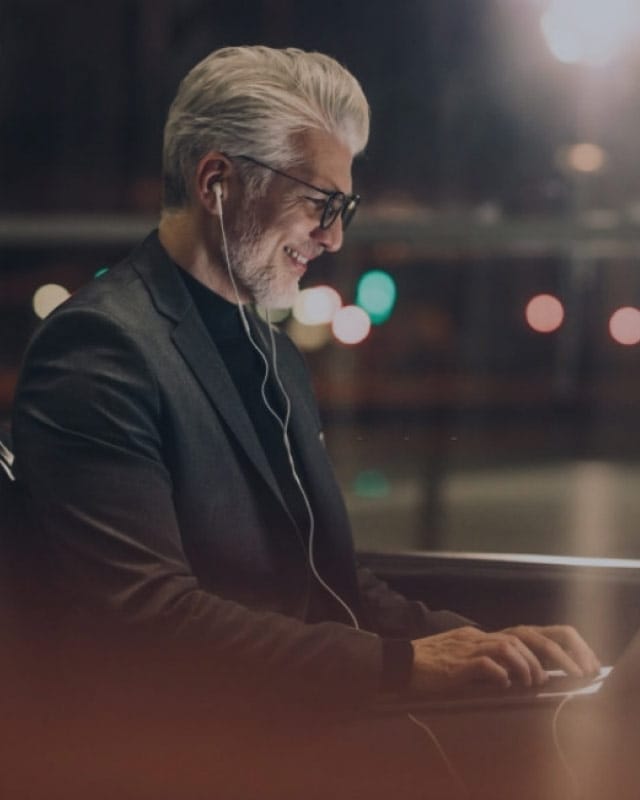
397,664
428,622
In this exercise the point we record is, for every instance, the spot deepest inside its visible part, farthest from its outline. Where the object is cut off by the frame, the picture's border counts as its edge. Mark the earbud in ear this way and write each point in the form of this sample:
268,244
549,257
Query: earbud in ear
217,190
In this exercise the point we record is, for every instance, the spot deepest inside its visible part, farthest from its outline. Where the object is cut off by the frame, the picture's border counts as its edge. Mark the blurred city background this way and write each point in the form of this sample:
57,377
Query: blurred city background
477,369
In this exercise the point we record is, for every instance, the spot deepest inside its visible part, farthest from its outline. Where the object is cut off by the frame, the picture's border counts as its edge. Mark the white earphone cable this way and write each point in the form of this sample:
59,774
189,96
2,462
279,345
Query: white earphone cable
576,791
453,772
284,424
296,477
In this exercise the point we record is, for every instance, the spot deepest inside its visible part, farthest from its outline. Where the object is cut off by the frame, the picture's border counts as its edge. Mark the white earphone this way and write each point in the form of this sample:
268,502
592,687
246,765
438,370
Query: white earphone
217,190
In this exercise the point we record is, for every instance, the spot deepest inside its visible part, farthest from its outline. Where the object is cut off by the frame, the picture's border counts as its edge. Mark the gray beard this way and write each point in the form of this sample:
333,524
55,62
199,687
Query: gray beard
257,282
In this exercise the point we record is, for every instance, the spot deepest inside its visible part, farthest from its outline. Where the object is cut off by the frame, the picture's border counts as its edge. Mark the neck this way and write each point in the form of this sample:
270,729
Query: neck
200,254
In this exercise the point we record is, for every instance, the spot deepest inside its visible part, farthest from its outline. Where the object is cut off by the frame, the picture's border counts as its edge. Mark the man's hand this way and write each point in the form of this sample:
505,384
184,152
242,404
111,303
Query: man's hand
460,658
558,647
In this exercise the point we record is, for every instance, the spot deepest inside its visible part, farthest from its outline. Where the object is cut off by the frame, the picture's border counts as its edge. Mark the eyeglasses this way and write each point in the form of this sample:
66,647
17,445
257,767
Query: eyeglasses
337,204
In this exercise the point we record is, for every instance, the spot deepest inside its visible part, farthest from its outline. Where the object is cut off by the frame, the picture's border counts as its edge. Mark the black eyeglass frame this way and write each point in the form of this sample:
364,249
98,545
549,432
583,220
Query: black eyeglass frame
346,203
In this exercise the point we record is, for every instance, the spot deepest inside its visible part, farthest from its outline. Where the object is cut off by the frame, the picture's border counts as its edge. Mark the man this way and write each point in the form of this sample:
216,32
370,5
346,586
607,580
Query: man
169,439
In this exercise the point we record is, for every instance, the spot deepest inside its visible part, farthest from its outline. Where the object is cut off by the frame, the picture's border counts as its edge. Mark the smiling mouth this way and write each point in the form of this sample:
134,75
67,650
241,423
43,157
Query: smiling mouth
297,257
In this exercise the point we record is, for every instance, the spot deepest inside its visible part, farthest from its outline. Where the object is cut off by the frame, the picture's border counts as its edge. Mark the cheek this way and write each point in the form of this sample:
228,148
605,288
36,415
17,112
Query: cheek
292,217
283,234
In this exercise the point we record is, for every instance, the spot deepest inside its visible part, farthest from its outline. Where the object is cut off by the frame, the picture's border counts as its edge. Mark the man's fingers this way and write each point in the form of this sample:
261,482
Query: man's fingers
560,646
575,645
484,669
521,664
554,654
536,669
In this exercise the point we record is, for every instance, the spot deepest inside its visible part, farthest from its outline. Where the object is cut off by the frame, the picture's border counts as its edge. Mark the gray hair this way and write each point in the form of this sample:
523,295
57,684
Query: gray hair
254,101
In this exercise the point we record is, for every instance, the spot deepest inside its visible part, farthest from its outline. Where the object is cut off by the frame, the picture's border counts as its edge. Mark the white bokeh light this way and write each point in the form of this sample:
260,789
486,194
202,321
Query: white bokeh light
351,325
47,298
589,31
316,305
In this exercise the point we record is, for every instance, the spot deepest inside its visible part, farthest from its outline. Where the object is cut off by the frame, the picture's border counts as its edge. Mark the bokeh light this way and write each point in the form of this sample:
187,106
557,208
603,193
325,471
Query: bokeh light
586,157
316,305
273,315
308,337
544,313
351,325
624,325
47,298
589,31
376,294
371,484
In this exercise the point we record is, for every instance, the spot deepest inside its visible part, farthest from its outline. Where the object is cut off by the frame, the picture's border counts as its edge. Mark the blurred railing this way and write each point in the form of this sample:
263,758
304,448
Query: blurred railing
597,234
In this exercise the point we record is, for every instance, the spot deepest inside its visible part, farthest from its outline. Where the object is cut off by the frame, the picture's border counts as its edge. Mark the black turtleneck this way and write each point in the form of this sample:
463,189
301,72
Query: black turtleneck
246,368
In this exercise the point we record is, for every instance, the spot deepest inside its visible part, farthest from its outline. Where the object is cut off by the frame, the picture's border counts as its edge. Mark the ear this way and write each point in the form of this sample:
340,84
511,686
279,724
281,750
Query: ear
213,168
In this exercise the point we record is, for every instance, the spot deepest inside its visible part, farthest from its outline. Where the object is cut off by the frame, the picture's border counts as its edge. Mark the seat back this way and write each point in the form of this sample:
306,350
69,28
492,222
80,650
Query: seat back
11,503
16,542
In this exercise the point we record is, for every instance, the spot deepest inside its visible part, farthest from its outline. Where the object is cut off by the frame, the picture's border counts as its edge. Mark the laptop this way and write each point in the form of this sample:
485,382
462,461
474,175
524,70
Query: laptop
610,684
558,686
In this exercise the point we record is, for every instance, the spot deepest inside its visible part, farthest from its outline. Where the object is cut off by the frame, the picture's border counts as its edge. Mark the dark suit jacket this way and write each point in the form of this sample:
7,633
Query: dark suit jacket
157,501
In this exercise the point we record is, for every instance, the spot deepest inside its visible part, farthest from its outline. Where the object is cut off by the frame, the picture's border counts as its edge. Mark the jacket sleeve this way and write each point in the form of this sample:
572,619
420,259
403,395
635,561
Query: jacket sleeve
395,616
87,430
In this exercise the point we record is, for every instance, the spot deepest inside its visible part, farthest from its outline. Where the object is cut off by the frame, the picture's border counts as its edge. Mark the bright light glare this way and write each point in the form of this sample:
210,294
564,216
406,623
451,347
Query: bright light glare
624,325
316,305
589,31
48,297
544,313
351,325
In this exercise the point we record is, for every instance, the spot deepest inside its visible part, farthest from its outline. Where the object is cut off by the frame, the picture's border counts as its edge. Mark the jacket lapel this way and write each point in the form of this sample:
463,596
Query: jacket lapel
197,349
190,336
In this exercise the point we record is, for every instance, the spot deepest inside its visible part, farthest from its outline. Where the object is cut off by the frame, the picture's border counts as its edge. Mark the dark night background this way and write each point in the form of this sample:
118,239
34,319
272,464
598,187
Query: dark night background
468,105
471,430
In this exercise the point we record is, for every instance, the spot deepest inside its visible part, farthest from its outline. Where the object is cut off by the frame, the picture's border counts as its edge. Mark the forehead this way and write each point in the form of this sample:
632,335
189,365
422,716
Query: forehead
326,160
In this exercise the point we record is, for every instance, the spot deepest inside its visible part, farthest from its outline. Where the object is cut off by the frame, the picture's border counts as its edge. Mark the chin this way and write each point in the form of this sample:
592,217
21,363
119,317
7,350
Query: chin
278,297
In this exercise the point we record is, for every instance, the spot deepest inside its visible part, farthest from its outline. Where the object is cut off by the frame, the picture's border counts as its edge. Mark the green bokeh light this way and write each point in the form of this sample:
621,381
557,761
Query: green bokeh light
376,294
102,271
372,484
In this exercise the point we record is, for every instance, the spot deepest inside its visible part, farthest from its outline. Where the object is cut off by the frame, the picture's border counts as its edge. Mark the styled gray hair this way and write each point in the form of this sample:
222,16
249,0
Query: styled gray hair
254,101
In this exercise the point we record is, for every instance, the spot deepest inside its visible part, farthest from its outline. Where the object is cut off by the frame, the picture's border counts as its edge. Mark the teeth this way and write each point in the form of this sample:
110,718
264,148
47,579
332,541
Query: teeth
295,255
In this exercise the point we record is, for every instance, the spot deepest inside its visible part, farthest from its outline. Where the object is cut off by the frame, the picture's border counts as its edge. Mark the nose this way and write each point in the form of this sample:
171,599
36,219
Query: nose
330,238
